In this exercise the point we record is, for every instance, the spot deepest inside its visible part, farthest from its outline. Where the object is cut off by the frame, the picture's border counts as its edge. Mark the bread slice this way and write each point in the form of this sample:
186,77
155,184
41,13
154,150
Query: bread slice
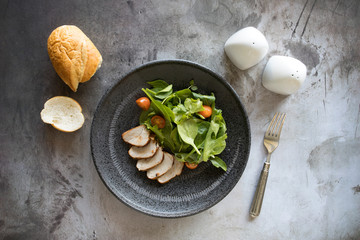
63,113
74,57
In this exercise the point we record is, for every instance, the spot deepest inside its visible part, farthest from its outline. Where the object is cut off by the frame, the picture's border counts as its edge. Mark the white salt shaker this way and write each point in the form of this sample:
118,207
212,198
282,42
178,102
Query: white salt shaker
283,75
246,48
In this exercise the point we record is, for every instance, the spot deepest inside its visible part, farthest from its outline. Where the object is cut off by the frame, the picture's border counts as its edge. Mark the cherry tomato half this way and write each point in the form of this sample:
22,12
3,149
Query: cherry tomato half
143,103
206,112
158,121
191,165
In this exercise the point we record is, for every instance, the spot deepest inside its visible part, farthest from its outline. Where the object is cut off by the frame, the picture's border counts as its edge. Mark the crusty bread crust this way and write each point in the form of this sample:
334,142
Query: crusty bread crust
74,57
93,63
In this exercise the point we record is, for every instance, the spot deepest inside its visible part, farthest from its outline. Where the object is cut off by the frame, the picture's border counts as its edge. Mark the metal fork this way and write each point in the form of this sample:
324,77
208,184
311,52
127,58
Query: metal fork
271,142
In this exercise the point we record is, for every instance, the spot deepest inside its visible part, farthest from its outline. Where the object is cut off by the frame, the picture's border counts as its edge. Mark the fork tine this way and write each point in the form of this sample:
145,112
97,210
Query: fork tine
271,125
276,124
281,123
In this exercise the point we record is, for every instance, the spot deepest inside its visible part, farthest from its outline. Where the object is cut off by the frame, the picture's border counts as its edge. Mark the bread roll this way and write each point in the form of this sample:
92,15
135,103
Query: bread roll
63,113
73,55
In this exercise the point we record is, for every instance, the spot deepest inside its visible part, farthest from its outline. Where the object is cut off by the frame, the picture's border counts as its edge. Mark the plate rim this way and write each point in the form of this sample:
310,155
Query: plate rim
118,82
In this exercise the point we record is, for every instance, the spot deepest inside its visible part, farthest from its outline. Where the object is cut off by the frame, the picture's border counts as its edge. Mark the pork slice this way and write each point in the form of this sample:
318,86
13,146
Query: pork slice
137,136
162,168
147,163
146,151
174,171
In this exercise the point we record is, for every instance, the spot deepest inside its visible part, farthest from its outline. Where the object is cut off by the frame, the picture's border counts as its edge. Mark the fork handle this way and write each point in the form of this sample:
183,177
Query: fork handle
260,190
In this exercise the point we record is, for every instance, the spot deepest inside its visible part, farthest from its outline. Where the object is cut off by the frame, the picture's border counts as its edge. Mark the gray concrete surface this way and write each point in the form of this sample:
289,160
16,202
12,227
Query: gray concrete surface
49,188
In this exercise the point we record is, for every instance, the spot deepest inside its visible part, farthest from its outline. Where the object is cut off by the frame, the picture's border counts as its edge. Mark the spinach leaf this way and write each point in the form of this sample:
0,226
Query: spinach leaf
161,89
162,135
215,138
164,93
206,99
179,145
145,115
183,94
203,127
178,97
191,157
158,85
218,162
188,130
161,108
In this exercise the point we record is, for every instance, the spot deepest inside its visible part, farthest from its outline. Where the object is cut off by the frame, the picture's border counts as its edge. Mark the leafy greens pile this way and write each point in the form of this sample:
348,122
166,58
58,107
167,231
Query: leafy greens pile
187,134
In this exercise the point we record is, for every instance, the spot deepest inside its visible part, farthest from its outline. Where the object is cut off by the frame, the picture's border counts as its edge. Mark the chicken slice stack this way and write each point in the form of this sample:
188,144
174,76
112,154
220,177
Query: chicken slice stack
158,164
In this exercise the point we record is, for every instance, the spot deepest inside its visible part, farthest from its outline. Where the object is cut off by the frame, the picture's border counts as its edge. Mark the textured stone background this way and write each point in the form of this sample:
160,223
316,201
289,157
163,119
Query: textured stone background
49,188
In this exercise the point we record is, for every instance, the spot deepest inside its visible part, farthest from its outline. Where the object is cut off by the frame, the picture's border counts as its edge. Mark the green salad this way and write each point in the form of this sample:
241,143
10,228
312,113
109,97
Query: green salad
185,122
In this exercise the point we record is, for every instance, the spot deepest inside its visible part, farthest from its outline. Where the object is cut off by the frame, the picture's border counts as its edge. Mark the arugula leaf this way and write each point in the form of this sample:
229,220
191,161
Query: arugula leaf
186,110
188,130
179,113
193,106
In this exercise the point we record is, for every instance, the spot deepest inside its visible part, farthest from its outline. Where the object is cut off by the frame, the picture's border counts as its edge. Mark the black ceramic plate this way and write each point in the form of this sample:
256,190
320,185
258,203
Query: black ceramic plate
194,190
